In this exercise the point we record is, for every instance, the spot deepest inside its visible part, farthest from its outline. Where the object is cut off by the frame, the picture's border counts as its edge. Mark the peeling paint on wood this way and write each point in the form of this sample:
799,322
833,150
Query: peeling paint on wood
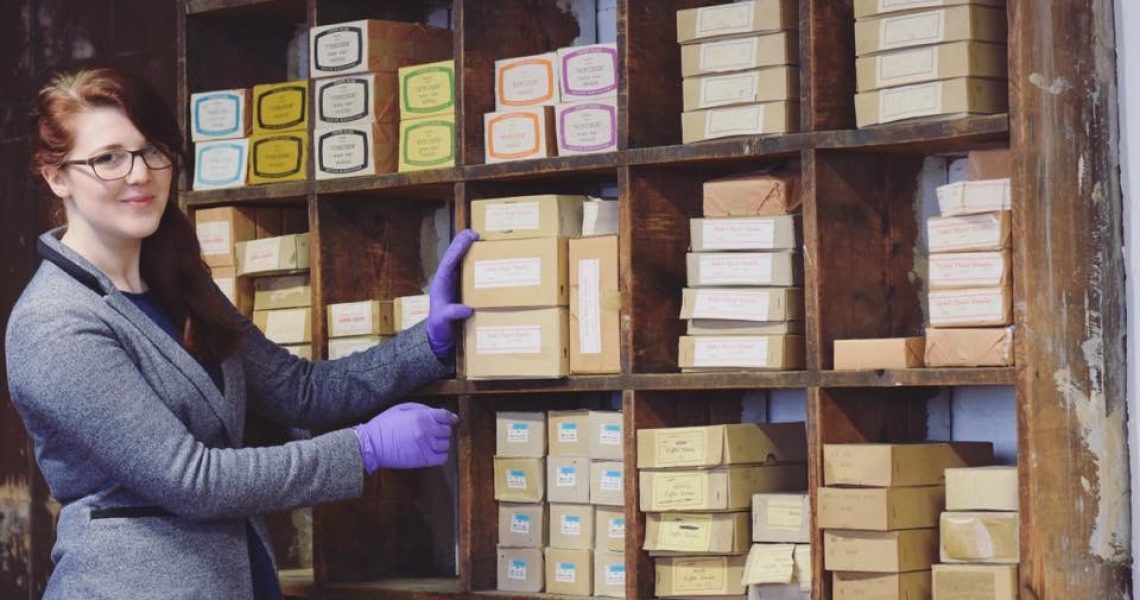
15,528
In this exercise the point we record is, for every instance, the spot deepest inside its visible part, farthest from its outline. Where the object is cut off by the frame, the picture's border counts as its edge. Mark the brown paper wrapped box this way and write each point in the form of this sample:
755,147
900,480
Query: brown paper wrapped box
720,445
880,551
595,306
979,347
994,163
914,585
717,489
980,537
887,353
569,572
880,509
756,195
521,569
912,464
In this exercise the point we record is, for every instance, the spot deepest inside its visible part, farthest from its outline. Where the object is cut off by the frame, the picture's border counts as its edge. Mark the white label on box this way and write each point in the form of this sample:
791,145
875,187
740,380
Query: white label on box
518,433
351,318
587,127
343,100
908,66
731,305
568,433
516,135
967,197
343,151
730,269
726,19
610,435
571,525
285,326
520,524
590,72
513,216
738,234
885,5
220,164
508,339
616,528
339,48
508,272
967,269
910,101
217,114
228,285
611,480
729,55
214,237
589,307
785,514
615,575
413,309
339,348
566,477
516,569
720,90
966,232
262,255
565,572
516,479
952,306
734,121
527,81
912,30
730,352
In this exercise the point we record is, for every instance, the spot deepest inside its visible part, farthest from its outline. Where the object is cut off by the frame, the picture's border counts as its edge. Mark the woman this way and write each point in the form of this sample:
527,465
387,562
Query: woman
133,373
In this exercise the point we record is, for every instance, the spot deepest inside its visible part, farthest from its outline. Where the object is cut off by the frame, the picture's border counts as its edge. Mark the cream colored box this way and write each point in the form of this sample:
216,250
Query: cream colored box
407,311
517,344
777,592
718,489
220,115
521,570
522,525
751,119
745,233
689,576
587,127
519,134
914,585
972,197
922,28
719,445
885,353
969,269
347,346
290,291
736,19
568,479
273,255
609,525
741,352
971,307
600,217
571,526
982,488
975,582
371,149
870,8
569,572
969,233
606,439
717,327
285,326
526,81
771,564
516,274
758,305
520,479
740,53
976,347
220,164
880,551
220,230
595,306
781,518
880,509
950,98
588,72
980,537
744,269
369,317
237,291
521,434
931,63
770,84
679,533
569,432
609,574
523,217
607,487
911,464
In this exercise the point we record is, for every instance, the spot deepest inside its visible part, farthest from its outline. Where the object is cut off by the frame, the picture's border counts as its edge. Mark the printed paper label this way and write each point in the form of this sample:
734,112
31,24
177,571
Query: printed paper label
514,135
218,114
785,514
911,30
707,576
220,165
520,524
567,477
568,433
730,352
352,318
770,564
565,572
968,197
429,90
731,269
589,72
910,101
516,479
262,255
721,90
339,48
527,82
734,121
517,569
681,447
738,234
508,272
513,216
413,309
344,100
685,533
344,151
509,339
518,433
616,528
587,127
611,481
285,326
726,19
214,237
589,307
680,491
610,434
570,525
954,306
731,305
615,575
972,232
968,269
729,55
898,68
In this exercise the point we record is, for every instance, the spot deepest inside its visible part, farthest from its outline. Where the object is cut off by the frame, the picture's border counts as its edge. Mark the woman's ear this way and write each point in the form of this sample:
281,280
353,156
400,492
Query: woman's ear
57,181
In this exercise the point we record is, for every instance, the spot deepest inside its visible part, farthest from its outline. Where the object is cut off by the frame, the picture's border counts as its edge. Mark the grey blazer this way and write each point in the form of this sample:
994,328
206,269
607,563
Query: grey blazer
126,422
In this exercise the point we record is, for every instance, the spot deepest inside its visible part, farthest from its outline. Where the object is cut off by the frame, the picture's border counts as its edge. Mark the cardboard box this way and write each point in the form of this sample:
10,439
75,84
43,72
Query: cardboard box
517,344
569,432
516,274
220,115
522,525
427,90
588,72
971,307
427,143
606,435
599,217
736,19
587,127
770,564
609,574
952,24
347,346
521,434
719,445
278,157
525,217
273,255
931,63
993,163
980,537
568,479
696,533
781,518
304,351
885,353
520,479
238,291
745,233
290,291
569,572
356,151
720,488
571,526
981,347
220,164
752,119
972,197
969,233
595,306
519,134
870,8
755,306
880,509
369,317
755,195
914,585
887,465
880,551
715,327
952,97
521,570
982,488
356,101
741,352
407,311
219,231
969,269
975,582
280,107
686,576
374,46
744,269
770,84
606,483
609,529
740,53
285,326
526,81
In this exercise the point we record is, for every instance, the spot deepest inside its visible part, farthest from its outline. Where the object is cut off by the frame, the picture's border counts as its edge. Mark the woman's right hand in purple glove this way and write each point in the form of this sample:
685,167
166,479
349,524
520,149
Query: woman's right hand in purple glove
406,436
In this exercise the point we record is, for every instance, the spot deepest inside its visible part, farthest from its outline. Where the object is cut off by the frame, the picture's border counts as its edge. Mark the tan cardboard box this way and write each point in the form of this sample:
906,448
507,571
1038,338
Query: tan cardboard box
983,347
569,432
238,290
885,353
517,344
757,306
374,46
781,518
522,525
569,572
779,232
982,488
572,526
521,570
931,63
880,551
304,351
220,115
740,352
609,574
914,585
880,509
520,479
716,327
290,291
980,537
922,28
969,269
736,19
358,100
524,217
527,81
719,445
606,483
347,346
273,255
886,465
766,118
689,576
520,434
707,269
969,233
606,436
288,326
220,230
568,479
951,97
971,307
755,195
609,528
369,149
407,311
280,107
973,197
870,8
994,163
770,84
369,317
595,306
975,582
516,274
720,489
427,91
696,533
740,53
519,134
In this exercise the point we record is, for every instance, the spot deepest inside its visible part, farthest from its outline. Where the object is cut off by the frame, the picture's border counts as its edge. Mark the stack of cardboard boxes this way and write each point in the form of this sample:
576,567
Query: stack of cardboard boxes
357,326
739,63
427,116
981,526
279,146
915,61
743,303
595,299
220,128
285,314
407,311
779,563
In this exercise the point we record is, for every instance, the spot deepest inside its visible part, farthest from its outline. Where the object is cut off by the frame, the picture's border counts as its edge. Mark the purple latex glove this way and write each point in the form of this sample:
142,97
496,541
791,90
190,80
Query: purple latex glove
444,309
406,436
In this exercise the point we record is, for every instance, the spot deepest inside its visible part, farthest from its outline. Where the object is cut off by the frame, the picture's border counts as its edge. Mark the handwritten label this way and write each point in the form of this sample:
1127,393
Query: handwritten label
685,533
214,237
681,446
518,433
738,234
508,339
744,352
704,576
968,269
512,216
969,232
770,564
508,272
731,305
589,306
352,318
785,514
680,491
726,268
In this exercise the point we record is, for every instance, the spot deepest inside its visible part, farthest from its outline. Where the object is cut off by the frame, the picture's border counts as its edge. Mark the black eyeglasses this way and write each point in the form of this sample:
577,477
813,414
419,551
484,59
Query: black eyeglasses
117,164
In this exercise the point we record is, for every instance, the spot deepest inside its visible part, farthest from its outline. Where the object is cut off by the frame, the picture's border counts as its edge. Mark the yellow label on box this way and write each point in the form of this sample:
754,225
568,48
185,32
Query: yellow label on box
427,143
427,90
785,514
701,576
675,491
685,533
278,157
280,106
684,446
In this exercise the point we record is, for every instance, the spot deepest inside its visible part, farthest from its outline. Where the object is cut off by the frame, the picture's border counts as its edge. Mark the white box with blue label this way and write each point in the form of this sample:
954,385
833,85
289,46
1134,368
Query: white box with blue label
571,526
596,434
220,115
568,479
520,434
609,528
220,164
607,486
522,525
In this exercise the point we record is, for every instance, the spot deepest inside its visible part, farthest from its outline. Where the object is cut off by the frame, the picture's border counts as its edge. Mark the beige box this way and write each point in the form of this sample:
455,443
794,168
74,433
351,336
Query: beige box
599,217
870,8
520,434
780,232
719,489
427,91
609,574
523,217
427,143
520,479
980,537
609,528
595,306
369,317
781,518
374,46
519,134
220,230
407,311
690,576
521,570
757,306
221,164
569,572
220,115
975,582
606,439
716,327
969,269
273,255
708,269
885,353
770,84
288,326
290,291
771,564
880,551
304,351
568,479
347,346
982,347
992,163
588,72
880,509
931,63
607,486
356,101
972,197
969,233
369,149
923,28
719,445
914,585
696,533
982,488
571,526
971,307
740,53
516,274
754,195
887,465
750,119
741,352
949,98
522,525
736,19
526,81
280,107
569,432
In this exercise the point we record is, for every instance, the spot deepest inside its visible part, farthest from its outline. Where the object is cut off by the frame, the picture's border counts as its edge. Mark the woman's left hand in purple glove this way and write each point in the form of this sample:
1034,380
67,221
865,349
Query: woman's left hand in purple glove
444,309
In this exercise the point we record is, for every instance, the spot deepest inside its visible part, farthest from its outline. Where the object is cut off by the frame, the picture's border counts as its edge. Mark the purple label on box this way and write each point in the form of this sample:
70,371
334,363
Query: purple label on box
609,117
589,85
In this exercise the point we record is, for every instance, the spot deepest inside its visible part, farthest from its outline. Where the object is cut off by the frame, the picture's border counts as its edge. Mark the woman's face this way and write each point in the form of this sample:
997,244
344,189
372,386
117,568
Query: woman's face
118,211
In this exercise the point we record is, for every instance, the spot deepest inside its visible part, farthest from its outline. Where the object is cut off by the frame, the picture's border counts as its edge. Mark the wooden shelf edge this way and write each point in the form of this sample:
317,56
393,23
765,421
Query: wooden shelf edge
926,377
215,7
544,167
293,191
390,182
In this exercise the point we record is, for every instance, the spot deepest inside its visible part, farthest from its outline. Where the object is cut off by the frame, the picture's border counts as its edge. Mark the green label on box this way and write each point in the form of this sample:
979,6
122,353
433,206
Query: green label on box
429,90
429,143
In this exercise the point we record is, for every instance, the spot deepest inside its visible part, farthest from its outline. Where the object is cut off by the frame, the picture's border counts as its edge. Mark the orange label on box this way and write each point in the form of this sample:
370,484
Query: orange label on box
527,82
514,135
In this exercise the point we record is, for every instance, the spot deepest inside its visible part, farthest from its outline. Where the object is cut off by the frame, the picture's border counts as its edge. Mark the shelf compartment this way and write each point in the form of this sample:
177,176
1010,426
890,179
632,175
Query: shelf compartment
290,192
546,168
434,183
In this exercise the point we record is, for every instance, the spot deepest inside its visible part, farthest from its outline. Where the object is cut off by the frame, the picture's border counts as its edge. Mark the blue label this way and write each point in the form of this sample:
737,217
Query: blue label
573,519
611,428
567,470
519,426
227,97
237,177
